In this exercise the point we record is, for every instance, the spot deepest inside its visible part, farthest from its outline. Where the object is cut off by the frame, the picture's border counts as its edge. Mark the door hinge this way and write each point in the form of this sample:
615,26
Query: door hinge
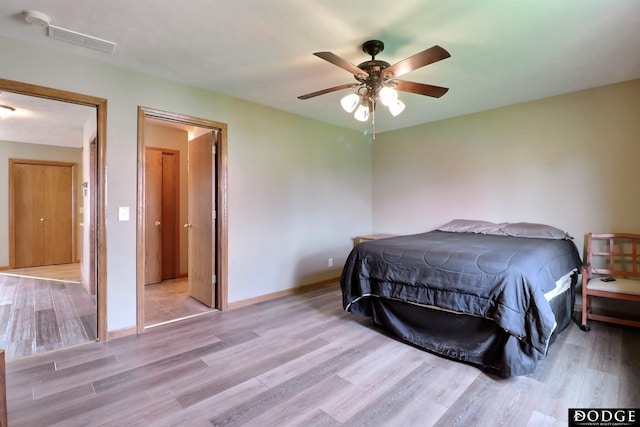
214,215
213,149
214,279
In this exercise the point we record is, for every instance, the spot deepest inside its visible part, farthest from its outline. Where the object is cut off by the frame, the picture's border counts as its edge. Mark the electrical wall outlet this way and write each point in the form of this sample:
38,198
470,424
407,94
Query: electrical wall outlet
330,262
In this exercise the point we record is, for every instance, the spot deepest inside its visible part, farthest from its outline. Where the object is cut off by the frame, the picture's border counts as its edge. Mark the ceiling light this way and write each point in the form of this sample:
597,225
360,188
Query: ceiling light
396,107
377,81
362,113
388,96
350,102
366,98
6,111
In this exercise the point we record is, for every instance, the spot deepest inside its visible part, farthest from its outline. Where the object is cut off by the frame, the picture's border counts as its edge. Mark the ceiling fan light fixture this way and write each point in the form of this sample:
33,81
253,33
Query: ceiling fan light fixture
388,96
362,113
396,108
6,111
377,81
350,102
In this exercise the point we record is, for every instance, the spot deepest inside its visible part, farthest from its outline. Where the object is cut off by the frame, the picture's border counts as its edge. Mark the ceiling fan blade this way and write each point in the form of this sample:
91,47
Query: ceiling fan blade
421,88
342,63
426,57
328,90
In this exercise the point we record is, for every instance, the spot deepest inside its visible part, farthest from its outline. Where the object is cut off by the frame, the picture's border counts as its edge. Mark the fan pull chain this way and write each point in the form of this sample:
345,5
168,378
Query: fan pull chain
373,123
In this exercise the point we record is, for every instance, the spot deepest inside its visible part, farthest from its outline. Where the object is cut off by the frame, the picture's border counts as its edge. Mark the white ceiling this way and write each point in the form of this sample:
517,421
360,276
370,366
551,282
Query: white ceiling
43,121
502,51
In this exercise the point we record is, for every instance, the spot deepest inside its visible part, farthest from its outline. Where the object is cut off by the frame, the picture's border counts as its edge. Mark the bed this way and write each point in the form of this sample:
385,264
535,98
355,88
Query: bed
493,295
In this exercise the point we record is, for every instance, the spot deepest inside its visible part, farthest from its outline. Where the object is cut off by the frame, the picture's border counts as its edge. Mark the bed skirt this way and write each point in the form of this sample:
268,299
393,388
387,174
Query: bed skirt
466,338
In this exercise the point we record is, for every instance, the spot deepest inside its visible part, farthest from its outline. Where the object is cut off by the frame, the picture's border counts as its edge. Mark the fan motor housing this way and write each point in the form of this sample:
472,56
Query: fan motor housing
373,67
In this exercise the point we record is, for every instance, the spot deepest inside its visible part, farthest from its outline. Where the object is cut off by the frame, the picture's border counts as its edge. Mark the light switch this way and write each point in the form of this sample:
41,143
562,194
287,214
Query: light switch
123,213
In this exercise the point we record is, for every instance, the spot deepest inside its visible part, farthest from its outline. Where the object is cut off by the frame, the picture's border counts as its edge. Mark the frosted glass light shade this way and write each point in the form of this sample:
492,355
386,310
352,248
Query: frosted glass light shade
362,113
350,102
396,108
5,111
387,96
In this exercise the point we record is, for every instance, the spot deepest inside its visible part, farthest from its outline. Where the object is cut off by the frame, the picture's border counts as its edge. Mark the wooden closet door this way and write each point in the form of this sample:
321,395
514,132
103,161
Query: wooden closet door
153,216
42,214
170,185
161,215
56,210
27,214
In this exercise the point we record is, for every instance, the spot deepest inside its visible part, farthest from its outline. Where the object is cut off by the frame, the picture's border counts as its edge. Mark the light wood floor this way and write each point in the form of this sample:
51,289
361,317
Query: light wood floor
300,360
44,309
168,301
66,272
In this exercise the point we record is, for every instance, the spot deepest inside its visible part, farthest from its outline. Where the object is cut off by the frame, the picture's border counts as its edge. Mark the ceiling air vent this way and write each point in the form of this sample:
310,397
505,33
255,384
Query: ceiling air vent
85,40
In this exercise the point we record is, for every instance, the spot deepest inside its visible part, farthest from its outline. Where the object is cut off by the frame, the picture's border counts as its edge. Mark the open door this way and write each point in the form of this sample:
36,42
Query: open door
202,219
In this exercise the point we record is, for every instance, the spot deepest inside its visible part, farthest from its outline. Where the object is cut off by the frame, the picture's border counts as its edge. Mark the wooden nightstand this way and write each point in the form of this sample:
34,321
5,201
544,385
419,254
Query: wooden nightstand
359,239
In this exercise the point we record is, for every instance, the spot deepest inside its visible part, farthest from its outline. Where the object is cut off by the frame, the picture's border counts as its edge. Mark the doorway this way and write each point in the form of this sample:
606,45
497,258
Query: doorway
93,249
181,189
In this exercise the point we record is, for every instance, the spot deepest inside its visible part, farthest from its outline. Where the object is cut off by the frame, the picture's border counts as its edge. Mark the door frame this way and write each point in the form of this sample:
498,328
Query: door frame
98,193
221,159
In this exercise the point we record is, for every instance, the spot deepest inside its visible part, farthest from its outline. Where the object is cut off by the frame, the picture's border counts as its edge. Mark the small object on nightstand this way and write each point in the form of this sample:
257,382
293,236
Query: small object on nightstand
608,279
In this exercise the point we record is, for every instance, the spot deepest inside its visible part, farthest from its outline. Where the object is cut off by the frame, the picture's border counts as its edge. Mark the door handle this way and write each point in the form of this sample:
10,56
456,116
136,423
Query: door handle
188,226
157,223
41,219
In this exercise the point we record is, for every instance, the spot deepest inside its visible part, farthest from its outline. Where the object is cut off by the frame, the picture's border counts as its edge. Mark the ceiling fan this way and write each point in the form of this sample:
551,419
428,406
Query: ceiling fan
378,80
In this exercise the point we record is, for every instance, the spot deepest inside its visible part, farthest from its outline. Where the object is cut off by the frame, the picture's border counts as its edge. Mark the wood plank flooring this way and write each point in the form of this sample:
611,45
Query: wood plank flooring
65,272
46,308
168,301
300,360
39,315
